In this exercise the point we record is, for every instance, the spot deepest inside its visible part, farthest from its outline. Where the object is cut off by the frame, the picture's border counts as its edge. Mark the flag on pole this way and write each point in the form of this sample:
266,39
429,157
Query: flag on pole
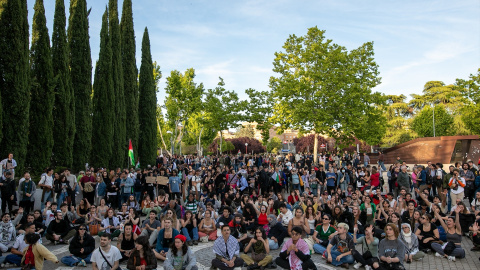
130,153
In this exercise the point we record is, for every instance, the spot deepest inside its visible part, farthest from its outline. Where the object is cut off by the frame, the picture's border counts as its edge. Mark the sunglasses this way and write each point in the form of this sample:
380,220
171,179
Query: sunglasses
82,229
405,228
325,218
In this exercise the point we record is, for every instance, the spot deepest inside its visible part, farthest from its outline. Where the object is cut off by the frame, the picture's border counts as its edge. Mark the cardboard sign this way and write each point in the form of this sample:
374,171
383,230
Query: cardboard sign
161,180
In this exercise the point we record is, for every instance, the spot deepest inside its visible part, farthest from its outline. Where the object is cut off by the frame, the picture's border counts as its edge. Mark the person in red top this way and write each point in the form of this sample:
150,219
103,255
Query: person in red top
293,197
375,178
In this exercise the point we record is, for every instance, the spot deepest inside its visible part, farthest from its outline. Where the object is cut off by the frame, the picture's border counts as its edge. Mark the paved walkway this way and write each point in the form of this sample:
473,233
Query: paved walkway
204,254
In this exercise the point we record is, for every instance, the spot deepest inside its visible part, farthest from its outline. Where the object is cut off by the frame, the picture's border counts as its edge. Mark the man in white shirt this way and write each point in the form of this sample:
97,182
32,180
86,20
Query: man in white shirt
457,185
106,257
46,183
20,245
285,215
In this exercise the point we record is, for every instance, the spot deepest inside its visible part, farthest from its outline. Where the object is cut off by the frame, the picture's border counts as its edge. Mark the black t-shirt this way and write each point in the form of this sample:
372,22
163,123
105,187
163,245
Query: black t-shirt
428,234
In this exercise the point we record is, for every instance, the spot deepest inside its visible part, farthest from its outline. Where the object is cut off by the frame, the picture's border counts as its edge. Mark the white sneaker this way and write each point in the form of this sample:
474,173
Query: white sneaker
438,255
357,265
368,267
451,258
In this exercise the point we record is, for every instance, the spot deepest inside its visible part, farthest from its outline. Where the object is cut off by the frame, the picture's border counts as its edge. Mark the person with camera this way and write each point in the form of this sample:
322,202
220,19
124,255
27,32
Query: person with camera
457,185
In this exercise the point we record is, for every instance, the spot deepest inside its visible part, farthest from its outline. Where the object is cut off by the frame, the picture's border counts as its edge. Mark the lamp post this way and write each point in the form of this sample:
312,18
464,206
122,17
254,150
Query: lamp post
433,119
246,145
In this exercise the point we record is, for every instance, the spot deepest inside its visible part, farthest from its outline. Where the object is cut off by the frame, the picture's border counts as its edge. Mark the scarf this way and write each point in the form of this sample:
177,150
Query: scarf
302,246
407,236
220,247
273,222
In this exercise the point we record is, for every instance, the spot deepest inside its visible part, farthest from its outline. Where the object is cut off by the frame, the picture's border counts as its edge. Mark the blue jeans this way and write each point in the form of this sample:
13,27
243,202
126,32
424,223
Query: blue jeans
314,191
14,259
73,260
125,197
296,186
272,244
194,234
382,165
319,249
46,197
347,259
62,197
138,195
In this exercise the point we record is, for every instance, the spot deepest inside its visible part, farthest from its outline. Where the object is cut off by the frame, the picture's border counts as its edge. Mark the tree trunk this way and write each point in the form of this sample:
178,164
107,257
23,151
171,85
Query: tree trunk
199,147
221,140
161,136
315,148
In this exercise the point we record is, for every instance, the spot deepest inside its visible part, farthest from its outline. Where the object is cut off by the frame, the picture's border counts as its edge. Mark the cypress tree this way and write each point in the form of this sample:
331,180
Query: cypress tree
119,152
14,82
130,73
103,101
81,78
147,143
40,142
64,109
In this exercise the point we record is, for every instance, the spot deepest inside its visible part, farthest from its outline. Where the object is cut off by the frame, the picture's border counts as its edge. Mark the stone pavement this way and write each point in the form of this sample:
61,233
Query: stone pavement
204,254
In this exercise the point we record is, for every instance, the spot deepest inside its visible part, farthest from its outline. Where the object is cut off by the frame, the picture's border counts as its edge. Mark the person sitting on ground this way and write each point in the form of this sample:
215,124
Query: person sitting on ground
226,251
20,245
7,233
285,215
150,227
323,234
225,218
106,256
189,228
110,225
410,240
369,244
165,239
81,247
454,235
260,248
142,256
276,232
391,250
342,255
59,231
36,253
180,257
207,227
126,242
295,254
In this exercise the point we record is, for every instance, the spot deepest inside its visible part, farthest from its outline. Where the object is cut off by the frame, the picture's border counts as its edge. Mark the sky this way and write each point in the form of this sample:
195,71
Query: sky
414,41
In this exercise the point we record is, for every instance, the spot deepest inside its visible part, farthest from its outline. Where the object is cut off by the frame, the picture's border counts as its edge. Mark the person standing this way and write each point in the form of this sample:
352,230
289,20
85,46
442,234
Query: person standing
9,164
46,183
26,191
457,185
126,184
7,186
106,257
88,184
72,180
381,161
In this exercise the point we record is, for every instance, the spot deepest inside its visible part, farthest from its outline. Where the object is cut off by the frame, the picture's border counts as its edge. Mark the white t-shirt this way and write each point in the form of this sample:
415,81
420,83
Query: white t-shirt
46,180
50,216
112,256
20,244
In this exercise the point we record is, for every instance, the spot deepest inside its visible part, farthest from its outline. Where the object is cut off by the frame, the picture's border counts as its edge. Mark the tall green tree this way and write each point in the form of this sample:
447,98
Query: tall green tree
103,101
40,143
470,113
64,106
130,73
147,105
423,123
120,143
81,74
15,82
399,117
183,99
322,87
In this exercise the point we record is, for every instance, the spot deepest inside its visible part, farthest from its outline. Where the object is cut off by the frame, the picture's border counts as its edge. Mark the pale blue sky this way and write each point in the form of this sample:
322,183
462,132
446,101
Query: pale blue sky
414,41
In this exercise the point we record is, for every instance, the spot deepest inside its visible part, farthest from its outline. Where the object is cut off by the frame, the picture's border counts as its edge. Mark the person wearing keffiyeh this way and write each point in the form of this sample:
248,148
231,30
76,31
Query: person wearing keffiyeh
295,254
226,251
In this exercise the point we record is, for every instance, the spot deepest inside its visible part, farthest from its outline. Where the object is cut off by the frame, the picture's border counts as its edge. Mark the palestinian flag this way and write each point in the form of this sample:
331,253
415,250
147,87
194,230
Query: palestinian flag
130,153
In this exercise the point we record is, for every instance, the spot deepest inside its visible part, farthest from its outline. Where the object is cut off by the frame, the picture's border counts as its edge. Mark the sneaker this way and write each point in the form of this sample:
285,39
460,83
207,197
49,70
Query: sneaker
195,242
272,265
357,265
344,265
438,255
451,258
190,243
82,263
368,267
475,249
237,268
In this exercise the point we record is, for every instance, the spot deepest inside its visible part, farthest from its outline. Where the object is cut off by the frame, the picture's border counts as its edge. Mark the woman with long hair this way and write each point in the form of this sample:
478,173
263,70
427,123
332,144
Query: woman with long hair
102,208
165,239
323,233
454,235
427,232
189,228
369,207
175,222
142,256
310,218
391,250
298,220
132,203
260,250
207,227
83,208
181,254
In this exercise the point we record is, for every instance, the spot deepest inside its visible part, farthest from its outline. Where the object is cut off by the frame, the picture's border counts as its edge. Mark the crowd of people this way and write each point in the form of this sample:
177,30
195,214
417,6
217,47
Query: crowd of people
247,206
